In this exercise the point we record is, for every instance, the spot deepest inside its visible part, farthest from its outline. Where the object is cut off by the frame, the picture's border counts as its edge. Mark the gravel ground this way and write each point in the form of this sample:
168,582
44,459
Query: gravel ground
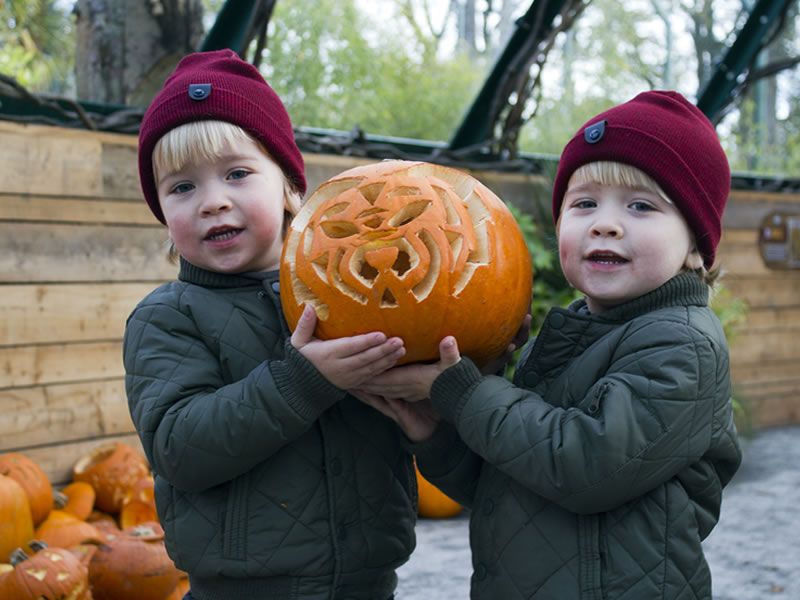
754,551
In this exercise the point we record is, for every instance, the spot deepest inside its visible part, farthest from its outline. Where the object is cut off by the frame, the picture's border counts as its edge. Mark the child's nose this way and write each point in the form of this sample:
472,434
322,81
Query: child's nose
214,203
607,226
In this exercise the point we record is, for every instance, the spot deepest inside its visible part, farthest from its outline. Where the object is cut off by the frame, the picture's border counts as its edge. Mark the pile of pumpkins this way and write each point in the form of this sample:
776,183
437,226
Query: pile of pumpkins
98,538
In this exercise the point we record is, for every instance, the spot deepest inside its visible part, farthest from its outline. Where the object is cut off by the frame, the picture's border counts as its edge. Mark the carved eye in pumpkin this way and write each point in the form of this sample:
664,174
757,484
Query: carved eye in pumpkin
395,247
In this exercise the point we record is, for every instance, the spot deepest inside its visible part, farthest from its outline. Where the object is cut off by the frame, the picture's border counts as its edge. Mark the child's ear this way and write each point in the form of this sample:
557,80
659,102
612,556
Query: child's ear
693,260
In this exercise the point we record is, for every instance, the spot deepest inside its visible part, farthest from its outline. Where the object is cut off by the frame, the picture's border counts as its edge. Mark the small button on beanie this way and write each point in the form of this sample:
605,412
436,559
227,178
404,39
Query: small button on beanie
670,139
218,86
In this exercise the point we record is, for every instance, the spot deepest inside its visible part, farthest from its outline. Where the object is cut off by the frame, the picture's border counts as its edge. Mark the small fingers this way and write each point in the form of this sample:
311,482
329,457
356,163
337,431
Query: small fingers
304,331
448,351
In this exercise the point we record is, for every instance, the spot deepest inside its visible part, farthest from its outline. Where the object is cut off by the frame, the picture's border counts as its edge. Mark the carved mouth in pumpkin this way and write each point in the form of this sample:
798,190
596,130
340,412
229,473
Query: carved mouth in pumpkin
388,241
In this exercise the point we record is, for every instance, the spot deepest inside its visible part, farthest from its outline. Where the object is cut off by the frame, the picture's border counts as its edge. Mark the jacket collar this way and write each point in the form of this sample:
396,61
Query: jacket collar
685,289
567,332
199,276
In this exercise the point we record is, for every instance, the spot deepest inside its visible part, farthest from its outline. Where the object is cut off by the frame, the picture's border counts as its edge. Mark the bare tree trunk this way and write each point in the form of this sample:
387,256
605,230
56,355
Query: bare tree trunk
125,48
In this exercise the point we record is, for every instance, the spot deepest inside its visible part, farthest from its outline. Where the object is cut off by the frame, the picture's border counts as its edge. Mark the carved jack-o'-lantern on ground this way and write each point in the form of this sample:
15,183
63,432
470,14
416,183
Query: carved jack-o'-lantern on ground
412,249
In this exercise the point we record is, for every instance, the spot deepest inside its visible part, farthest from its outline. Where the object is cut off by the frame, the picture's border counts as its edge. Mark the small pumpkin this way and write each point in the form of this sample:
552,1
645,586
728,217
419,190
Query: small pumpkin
139,504
78,499
133,566
414,250
16,522
49,574
434,503
63,530
33,480
111,469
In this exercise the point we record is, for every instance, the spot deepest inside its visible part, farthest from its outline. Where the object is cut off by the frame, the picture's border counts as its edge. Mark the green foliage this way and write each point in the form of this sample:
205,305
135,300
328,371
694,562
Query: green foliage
36,44
732,313
336,68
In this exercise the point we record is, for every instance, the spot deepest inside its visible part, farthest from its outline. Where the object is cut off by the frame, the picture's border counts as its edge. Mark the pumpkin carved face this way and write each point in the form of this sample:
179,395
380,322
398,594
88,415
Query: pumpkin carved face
414,250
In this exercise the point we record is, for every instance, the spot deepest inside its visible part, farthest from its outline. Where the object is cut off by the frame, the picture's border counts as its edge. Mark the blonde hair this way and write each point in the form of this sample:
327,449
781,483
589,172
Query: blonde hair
627,176
199,141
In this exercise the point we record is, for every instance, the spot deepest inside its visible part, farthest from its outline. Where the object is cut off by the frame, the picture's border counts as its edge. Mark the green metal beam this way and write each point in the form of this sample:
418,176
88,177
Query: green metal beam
476,127
719,91
232,26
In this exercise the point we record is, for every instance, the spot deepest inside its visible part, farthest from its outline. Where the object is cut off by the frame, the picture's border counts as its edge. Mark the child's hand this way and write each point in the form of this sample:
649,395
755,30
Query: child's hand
412,383
346,362
519,340
418,420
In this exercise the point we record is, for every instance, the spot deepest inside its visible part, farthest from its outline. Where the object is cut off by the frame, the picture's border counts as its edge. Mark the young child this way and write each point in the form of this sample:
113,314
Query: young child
271,481
598,473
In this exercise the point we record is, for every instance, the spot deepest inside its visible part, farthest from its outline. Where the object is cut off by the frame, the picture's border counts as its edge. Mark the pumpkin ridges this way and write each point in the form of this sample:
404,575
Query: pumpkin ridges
32,479
58,574
16,522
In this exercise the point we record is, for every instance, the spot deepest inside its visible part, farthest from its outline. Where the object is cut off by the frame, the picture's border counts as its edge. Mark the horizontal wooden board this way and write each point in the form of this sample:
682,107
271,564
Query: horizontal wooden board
757,347
31,252
760,372
67,162
773,290
68,209
59,363
48,414
774,410
57,459
61,313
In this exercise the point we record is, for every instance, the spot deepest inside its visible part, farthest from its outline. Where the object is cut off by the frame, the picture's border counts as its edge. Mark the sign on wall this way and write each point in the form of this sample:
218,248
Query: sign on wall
779,240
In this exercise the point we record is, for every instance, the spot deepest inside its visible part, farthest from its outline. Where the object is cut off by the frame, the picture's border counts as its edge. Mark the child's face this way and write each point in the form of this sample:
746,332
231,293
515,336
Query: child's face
226,214
617,243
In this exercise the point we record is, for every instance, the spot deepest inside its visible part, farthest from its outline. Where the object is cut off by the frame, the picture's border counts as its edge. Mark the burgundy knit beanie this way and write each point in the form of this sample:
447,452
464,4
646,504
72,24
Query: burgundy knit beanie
218,86
672,141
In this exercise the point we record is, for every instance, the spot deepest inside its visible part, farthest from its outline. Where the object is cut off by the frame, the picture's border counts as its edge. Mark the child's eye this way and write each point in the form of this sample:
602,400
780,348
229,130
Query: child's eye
641,206
181,188
238,174
584,203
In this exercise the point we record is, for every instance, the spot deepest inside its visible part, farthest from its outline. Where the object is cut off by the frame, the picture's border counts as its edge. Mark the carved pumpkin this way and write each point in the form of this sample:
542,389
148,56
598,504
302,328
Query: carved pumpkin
16,523
111,469
32,479
434,503
50,574
139,504
133,565
415,250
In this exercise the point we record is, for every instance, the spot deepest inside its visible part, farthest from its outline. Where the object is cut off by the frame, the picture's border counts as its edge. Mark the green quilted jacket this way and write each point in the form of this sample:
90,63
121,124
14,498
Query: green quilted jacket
600,471
270,482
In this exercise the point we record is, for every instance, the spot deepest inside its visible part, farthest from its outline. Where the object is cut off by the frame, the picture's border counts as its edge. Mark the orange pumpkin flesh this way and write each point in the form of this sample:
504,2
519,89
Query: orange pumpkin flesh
111,469
33,480
434,503
16,523
139,504
415,250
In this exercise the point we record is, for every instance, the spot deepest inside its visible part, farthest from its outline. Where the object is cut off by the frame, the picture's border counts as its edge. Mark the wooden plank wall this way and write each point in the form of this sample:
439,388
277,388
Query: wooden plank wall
79,248
765,353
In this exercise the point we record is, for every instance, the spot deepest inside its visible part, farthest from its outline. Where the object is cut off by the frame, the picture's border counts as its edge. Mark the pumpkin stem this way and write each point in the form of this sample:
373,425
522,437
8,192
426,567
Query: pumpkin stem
37,545
18,556
60,499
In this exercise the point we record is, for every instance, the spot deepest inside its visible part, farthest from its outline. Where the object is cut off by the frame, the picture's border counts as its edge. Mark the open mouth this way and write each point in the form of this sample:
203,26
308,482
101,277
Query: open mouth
222,234
604,257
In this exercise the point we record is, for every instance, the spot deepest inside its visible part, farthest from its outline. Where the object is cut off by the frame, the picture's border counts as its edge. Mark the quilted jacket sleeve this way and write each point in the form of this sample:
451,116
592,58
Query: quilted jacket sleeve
449,464
654,413
198,432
